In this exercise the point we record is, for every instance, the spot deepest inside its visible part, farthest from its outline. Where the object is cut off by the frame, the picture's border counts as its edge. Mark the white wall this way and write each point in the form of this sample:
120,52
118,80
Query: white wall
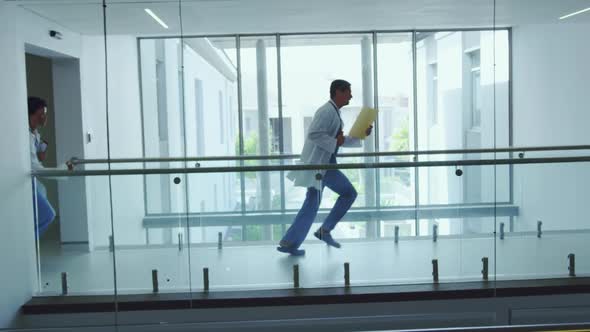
92,83
551,74
550,86
124,136
17,237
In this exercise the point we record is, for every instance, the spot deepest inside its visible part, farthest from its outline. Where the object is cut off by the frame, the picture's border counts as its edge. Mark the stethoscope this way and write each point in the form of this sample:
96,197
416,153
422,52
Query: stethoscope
337,112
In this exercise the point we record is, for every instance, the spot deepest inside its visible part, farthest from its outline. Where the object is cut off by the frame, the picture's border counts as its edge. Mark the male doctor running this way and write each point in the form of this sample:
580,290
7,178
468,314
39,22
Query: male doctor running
321,145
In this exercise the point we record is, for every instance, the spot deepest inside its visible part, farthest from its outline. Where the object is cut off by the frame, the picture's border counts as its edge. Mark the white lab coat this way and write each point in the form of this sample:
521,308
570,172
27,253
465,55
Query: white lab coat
34,147
320,145
36,165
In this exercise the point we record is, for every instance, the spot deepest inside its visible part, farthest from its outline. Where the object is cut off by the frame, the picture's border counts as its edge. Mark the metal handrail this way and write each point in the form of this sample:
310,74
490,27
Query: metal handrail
76,161
318,167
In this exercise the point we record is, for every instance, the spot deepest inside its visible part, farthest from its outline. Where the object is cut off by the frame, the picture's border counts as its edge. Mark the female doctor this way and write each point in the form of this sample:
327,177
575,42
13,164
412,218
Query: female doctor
321,145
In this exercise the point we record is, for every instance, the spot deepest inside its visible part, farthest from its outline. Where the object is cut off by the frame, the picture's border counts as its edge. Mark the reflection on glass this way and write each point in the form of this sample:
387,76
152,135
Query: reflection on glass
456,85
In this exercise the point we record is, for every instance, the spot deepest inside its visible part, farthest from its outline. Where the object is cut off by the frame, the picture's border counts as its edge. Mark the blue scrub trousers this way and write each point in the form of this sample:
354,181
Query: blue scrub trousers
339,183
42,209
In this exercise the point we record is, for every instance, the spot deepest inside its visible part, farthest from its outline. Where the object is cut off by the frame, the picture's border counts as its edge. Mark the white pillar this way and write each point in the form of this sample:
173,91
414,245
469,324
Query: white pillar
264,197
263,132
368,176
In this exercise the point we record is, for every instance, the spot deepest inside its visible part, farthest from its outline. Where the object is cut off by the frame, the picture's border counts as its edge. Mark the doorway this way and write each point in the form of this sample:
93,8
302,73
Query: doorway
56,79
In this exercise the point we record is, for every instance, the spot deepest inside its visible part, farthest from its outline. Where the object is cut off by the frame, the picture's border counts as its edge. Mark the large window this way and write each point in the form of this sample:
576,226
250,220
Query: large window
396,129
254,97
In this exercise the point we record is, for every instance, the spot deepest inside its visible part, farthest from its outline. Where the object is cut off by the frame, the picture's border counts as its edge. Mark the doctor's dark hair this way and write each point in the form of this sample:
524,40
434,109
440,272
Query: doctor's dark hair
340,85
34,104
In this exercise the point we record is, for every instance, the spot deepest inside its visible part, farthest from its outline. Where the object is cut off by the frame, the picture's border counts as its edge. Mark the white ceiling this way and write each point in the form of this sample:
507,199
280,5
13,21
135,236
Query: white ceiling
254,16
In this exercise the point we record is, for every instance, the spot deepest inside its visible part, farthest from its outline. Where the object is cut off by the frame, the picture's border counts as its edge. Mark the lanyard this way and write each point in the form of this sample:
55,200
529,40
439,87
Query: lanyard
336,109
36,138
338,113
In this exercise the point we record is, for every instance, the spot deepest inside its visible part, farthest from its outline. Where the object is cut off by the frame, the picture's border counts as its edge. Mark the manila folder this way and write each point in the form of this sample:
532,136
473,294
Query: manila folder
364,120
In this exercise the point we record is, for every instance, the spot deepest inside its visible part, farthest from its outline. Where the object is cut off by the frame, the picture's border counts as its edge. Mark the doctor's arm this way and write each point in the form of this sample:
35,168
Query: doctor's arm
353,142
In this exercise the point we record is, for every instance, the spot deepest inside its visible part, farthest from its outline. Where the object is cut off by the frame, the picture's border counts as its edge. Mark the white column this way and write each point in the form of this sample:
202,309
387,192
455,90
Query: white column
263,131
264,197
368,176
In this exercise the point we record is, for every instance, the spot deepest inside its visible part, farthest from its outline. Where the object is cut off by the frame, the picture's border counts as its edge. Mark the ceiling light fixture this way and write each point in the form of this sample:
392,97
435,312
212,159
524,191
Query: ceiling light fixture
155,17
576,13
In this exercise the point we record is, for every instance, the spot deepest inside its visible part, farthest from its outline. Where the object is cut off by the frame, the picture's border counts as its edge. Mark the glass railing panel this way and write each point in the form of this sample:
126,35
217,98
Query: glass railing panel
550,225
150,258
75,250
238,247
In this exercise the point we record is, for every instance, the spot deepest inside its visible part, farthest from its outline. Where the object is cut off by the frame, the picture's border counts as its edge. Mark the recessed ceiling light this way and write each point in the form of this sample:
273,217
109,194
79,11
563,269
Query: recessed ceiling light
576,13
155,17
